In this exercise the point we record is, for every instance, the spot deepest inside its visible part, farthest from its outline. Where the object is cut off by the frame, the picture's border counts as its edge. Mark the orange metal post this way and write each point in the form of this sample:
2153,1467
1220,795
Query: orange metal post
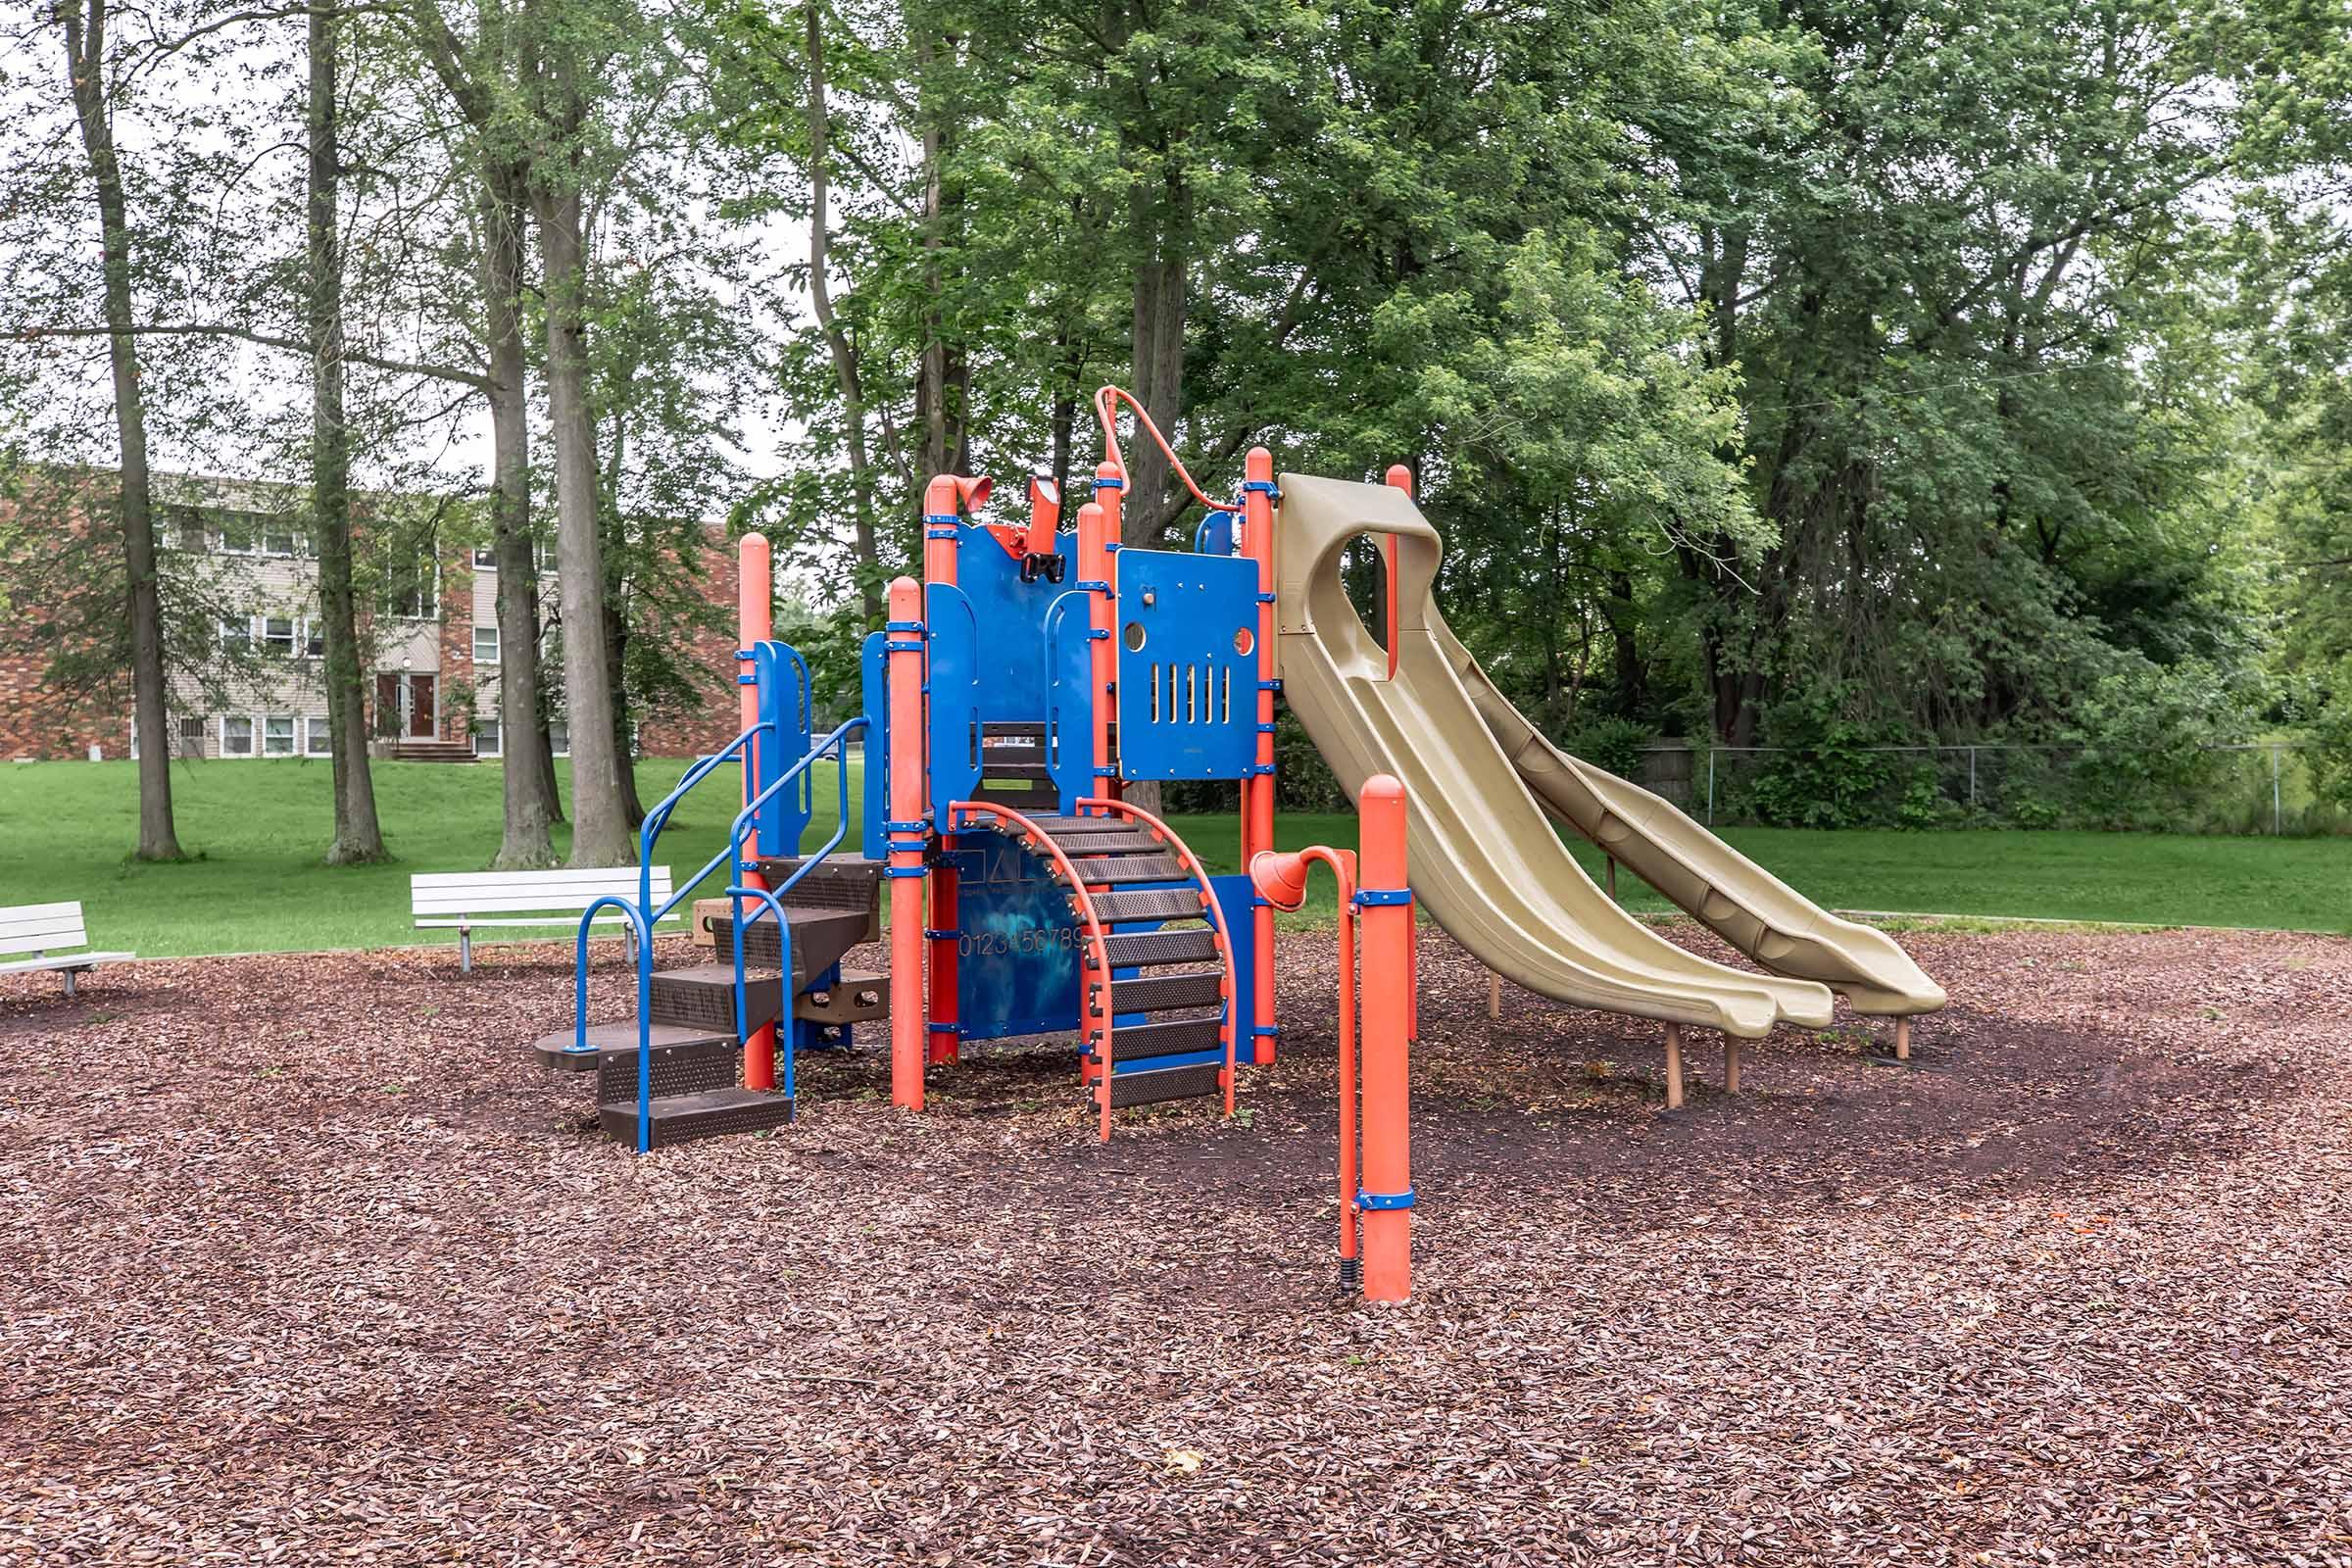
1402,479
943,498
1257,790
1280,877
1096,530
755,623
1387,922
905,667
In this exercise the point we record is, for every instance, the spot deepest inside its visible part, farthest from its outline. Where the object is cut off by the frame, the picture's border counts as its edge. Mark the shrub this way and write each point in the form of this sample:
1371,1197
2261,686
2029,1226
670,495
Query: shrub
1822,773
1614,744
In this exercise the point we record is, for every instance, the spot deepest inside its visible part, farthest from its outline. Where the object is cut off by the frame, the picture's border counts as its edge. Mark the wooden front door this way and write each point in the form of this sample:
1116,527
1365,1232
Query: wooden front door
420,708
388,712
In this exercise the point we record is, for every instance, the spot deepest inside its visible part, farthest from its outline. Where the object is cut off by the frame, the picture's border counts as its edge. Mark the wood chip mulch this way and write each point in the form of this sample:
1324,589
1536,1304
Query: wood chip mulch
303,1262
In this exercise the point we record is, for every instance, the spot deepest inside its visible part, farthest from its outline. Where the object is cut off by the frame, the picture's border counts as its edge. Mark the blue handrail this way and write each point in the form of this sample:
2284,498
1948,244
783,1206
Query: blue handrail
645,1004
658,817
643,921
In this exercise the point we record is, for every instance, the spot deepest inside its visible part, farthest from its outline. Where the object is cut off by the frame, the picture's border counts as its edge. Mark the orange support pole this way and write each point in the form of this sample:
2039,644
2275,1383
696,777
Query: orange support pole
755,623
1388,934
1402,479
944,499
1257,790
904,663
1280,877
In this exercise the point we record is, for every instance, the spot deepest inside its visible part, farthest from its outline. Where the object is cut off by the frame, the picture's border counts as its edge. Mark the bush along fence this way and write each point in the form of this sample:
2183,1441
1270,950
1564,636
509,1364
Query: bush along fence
2262,788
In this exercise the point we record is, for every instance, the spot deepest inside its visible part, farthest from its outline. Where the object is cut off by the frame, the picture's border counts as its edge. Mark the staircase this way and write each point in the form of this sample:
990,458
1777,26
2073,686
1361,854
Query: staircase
696,1055
1158,1010
421,750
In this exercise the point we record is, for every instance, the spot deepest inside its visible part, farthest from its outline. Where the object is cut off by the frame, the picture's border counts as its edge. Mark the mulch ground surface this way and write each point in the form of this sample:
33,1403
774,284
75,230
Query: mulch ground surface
303,1260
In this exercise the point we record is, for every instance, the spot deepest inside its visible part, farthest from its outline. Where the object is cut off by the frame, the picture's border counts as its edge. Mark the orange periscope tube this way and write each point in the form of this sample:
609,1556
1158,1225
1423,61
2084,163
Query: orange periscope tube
755,623
1280,879
1098,528
1386,900
944,499
1257,790
904,646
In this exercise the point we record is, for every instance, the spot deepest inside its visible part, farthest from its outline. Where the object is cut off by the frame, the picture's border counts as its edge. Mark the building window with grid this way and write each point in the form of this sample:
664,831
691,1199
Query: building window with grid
488,741
277,735
485,643
314,640
236,634
236,735
279,635
316,741
411,576
191,735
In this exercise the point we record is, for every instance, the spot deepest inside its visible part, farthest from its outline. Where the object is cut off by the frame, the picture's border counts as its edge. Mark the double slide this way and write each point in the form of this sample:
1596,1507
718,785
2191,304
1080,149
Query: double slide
1486,863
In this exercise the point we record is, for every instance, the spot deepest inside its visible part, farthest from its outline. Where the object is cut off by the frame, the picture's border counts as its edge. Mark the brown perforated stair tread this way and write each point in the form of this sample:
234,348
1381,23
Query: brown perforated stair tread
711,1113
1138,950
1169,1037
1156,992
1119,870
819,938
555,1051
1196,1082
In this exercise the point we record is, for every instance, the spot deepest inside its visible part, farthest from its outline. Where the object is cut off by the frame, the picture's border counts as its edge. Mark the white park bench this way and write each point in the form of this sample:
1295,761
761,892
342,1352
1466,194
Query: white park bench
41,929
468,899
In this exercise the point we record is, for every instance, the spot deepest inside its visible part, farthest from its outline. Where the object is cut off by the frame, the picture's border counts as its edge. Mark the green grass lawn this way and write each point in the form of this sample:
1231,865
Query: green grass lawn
66,830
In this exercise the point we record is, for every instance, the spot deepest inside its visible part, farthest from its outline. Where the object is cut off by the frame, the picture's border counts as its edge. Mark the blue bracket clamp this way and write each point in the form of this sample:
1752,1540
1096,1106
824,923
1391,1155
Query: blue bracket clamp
1375,1202
1382,897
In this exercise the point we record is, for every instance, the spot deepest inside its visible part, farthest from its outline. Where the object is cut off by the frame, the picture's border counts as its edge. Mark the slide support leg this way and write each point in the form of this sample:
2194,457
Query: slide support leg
1902,1038
1731,1064
1674,1066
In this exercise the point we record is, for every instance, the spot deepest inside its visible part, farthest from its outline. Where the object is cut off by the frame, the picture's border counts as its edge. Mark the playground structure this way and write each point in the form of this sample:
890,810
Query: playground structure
1013,696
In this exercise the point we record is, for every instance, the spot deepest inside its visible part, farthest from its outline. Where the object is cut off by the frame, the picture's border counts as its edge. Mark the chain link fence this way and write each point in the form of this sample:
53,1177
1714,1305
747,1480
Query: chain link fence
2260,788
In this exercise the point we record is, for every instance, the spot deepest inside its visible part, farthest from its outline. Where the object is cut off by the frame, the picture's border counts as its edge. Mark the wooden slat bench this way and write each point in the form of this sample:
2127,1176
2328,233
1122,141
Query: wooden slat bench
461,899
41,929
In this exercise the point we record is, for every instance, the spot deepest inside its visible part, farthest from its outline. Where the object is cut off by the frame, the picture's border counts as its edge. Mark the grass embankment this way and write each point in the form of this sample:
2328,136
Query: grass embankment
255,831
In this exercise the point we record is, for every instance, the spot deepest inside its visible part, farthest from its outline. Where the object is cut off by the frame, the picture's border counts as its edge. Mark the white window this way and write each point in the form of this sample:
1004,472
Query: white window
316,741
277,735
485,644
485,559
236,635
487,741
191,736
188,530
236,735
559,737
234,534
278,635
279,540
314,640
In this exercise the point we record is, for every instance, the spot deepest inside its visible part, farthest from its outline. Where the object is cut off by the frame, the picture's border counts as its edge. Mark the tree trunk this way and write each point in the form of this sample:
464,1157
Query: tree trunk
943,381
359,837
86,68
531,771
1160,306
624,770
600,834
868,561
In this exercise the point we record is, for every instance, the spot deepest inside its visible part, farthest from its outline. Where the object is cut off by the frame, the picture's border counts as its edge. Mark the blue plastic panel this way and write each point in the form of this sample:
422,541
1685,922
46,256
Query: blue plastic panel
783,702
874,691
1017,959
1069,700
952,674
1187,628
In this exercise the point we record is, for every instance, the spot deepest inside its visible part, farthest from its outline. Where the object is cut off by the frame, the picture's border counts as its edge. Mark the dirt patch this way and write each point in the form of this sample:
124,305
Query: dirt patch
306,1261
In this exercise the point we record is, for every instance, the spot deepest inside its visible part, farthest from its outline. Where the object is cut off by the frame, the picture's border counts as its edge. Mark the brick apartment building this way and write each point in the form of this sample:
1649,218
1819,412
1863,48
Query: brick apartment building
432,635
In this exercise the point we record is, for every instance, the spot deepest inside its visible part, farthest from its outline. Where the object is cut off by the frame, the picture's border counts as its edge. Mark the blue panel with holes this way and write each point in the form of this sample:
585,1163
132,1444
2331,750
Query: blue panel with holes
1187,633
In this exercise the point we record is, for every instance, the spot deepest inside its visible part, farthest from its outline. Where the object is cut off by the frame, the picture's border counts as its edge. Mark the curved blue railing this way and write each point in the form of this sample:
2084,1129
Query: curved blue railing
643,918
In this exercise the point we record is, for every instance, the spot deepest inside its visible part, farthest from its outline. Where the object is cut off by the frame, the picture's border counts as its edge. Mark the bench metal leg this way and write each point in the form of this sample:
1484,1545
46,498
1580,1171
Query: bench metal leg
464,951
69,977
628,942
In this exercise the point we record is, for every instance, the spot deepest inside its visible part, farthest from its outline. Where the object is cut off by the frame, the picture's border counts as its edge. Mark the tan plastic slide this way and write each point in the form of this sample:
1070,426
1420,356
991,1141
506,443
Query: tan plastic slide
1486,863
1713,883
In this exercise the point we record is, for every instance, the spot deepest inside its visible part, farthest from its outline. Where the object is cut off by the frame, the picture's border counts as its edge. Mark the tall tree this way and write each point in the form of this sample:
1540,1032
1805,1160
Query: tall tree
358,839
82,29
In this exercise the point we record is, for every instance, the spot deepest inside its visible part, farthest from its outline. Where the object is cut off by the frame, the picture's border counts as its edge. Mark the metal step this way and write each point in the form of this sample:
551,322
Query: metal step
1140,949
819,937
703,996
1196,1081
1126,842
1111,871
1173,1037
1171,904
1153,992
997,771
713,1113
693,1069
555,1051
